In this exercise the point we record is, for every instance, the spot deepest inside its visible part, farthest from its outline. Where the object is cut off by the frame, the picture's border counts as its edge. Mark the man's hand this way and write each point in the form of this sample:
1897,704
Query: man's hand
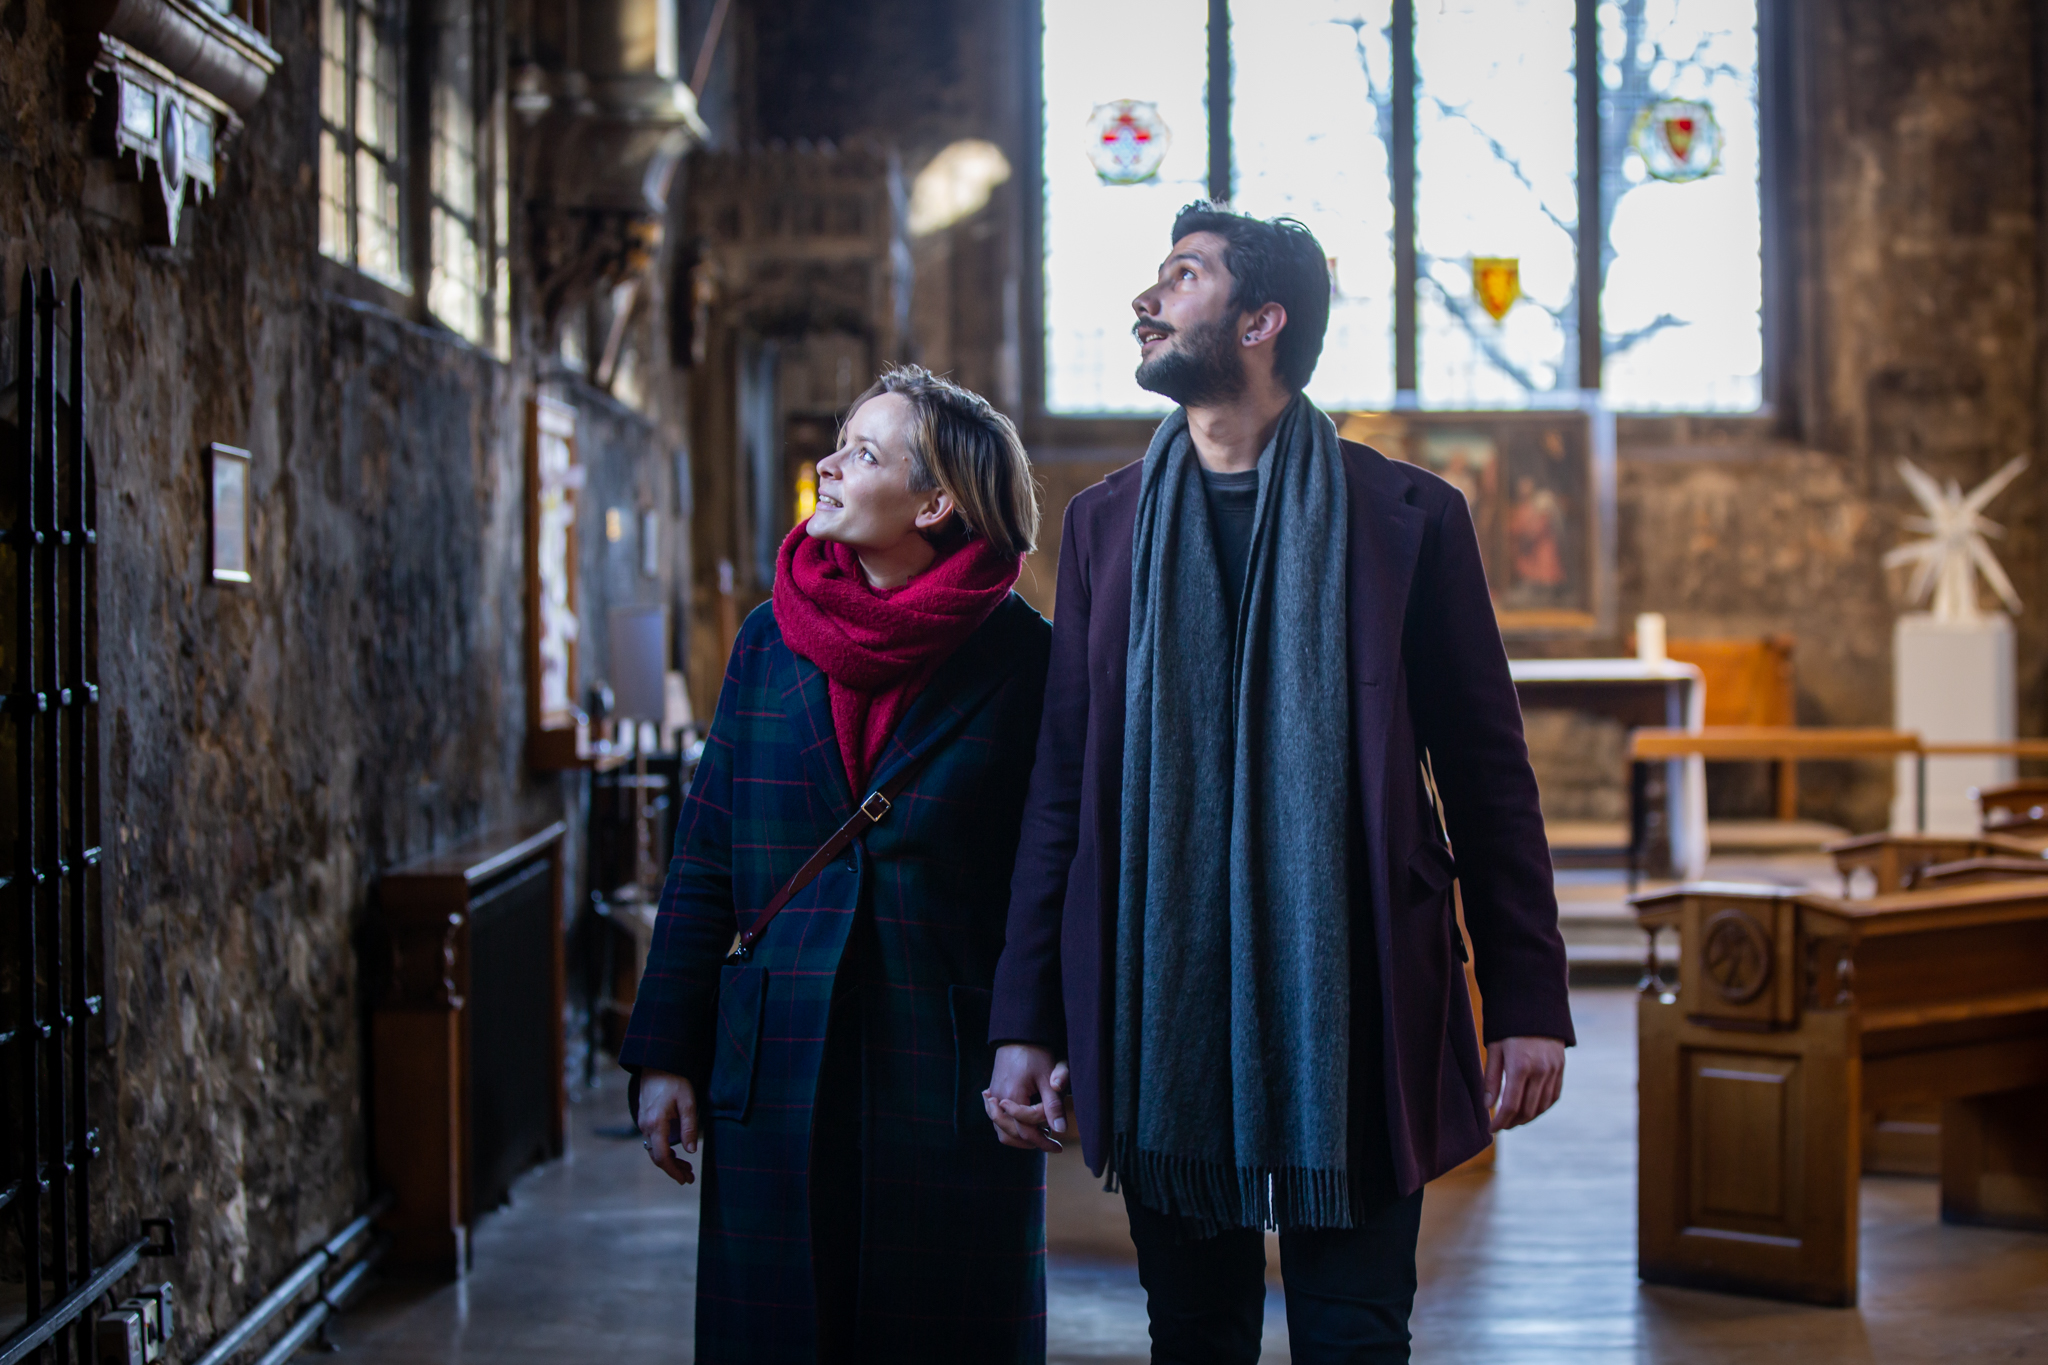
1026,1098
1523,1078
668,1116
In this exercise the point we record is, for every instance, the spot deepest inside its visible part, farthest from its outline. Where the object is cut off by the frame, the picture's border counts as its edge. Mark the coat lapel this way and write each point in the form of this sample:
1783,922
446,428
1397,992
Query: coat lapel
807,702
956,691
1386,541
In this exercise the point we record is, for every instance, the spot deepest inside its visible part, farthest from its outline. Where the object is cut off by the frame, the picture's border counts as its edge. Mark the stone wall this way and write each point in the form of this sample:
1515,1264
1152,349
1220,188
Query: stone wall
268,749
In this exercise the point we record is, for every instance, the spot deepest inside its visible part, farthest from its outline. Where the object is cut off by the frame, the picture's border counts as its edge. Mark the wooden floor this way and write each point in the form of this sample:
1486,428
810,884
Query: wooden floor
1533,1264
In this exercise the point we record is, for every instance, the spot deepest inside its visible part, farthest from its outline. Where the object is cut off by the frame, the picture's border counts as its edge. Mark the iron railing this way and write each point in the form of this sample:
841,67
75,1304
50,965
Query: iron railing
50,963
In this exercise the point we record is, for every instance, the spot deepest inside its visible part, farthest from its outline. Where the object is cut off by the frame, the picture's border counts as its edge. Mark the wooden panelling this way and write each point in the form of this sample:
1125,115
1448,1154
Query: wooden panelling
1744,1141
1977,962
1742,1183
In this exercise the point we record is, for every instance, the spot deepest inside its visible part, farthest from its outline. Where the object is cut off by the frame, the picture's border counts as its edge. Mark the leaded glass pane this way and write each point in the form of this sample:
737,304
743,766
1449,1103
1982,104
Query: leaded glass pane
1104,241
379,156
455,279
333,129
1496,172
1312,90
1682,296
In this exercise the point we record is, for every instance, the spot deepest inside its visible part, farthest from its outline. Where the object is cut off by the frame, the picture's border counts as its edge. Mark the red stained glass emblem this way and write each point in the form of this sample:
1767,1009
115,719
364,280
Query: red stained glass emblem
1127,141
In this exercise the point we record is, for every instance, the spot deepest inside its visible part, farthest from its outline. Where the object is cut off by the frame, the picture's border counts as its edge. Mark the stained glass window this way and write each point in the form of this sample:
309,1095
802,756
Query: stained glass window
1493,107
1104,240
1496,167
1683,294
1311,91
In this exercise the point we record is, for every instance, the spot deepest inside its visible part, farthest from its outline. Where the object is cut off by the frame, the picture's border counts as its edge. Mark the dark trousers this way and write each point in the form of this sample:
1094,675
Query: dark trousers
1348,1291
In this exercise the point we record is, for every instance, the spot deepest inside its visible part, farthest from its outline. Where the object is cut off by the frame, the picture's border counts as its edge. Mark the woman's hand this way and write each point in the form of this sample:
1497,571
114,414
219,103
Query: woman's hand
668,1116
1026,1098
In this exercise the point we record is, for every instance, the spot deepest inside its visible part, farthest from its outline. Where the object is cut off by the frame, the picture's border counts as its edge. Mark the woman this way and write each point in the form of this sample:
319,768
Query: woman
856,1203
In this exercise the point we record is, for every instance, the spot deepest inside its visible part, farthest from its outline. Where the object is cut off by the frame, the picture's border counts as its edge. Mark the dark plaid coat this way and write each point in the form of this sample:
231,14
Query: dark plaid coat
953,1243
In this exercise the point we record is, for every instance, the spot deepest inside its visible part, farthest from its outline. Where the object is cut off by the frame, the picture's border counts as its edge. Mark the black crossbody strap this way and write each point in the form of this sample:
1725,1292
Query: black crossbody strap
866,818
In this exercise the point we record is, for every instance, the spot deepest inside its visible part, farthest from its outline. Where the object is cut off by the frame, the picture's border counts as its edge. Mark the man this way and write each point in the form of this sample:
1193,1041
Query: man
1231,914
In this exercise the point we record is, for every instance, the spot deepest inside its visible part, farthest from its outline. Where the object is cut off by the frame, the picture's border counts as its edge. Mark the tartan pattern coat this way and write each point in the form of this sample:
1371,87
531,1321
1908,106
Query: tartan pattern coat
953,1236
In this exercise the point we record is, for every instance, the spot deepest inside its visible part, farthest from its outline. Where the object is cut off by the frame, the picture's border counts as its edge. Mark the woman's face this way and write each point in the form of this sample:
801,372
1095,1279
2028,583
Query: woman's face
864,497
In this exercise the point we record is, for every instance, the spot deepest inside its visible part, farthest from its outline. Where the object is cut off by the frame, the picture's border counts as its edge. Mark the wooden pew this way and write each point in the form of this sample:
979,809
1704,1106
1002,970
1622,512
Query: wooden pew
1895,860
1793,1017
1968,871
2017,807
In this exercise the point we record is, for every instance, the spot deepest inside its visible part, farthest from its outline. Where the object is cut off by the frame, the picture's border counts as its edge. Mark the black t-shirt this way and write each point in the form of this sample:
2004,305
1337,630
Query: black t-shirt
1233,501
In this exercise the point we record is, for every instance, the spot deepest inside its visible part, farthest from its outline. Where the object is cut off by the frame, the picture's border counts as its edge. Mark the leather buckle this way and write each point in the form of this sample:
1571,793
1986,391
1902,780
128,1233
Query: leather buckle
875,807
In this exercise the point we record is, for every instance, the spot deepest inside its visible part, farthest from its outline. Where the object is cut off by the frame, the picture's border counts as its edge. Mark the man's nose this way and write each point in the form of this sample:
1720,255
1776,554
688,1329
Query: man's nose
1145,305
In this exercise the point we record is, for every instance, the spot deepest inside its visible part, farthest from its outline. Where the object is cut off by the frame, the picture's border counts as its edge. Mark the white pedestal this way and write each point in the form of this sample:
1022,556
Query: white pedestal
1954,682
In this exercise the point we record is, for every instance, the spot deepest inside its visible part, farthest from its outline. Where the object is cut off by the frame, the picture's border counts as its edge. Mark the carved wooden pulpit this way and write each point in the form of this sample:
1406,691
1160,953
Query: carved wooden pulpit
1794,1016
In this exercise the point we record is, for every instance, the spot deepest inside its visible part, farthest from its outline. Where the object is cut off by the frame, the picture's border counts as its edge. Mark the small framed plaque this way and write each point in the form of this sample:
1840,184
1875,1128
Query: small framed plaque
227,513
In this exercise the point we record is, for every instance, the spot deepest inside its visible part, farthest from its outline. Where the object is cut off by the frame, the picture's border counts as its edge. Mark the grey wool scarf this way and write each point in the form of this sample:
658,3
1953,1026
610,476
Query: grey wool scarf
1232,1025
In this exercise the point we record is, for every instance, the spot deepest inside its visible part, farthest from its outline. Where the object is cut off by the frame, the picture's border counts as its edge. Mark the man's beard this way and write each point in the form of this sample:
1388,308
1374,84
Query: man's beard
1203,368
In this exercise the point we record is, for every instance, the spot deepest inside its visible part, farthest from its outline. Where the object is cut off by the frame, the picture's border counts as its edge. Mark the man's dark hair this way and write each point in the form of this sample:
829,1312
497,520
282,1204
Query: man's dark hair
1275,260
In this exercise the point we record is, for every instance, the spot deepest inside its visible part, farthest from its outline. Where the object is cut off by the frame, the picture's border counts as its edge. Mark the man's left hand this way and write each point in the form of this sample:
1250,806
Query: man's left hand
1523,1078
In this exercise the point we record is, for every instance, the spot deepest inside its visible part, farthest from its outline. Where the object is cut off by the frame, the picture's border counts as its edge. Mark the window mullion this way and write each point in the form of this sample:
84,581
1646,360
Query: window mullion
1219,100
1587,72
1401,171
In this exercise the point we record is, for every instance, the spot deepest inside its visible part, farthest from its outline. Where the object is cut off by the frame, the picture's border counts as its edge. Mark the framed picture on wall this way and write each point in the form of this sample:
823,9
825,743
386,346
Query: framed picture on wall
227,513
1541,489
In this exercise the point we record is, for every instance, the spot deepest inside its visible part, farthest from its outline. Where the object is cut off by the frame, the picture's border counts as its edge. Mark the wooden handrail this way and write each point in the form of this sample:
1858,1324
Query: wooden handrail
1781,742
1802,741
2009,748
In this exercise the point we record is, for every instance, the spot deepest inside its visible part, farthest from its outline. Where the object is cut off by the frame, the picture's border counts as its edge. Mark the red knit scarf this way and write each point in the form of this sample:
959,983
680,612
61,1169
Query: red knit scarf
878,649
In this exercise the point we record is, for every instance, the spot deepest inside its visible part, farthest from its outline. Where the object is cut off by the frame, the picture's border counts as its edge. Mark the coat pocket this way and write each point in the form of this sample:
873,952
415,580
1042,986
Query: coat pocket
1431,870
742,994
973,1058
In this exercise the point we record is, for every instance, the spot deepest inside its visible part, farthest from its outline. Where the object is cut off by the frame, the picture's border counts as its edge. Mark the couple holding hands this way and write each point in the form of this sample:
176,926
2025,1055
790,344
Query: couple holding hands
1170,876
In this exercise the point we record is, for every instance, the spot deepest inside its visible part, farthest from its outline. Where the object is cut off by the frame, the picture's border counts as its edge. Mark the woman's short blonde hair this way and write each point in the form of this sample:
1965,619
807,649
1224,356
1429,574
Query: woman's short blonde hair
961,444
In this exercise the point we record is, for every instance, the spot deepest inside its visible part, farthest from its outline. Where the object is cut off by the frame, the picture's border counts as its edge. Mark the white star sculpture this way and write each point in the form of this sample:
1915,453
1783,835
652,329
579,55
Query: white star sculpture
1954,551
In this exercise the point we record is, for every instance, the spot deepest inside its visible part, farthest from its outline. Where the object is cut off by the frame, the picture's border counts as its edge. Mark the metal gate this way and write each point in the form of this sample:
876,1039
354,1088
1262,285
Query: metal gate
50,954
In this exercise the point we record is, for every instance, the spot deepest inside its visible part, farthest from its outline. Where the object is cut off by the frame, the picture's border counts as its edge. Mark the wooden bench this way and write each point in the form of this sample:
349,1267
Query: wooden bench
1794,1017
1970,871
2016,807
1896,861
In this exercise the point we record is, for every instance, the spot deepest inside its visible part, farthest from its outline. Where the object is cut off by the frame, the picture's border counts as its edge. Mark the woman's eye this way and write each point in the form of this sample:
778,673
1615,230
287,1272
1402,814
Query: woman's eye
869,456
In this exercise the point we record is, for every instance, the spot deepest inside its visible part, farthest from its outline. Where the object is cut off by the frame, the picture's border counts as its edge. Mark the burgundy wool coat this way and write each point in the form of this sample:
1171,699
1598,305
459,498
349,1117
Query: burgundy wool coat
1428,676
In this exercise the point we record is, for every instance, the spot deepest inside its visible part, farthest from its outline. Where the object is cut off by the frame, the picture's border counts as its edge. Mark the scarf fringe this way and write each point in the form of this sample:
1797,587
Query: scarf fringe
1213,1197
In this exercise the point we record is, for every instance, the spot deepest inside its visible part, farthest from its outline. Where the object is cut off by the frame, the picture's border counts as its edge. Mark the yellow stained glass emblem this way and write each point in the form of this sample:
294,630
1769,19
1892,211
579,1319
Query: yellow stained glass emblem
1497,283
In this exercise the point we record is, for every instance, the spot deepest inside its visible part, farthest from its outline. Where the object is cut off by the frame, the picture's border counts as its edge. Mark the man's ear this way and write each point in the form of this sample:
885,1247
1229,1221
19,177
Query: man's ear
936,511
1262,326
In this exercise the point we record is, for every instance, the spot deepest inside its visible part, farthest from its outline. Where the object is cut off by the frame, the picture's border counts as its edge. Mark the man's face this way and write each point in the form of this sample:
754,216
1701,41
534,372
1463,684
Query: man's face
1186,328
